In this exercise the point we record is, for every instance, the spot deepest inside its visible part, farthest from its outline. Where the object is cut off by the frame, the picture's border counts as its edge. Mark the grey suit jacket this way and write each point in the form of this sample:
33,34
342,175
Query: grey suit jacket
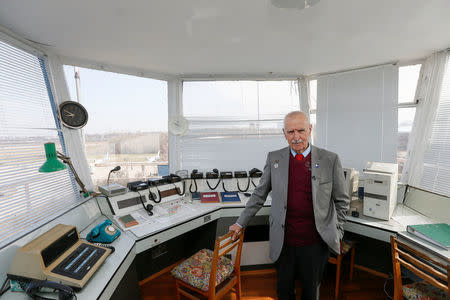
329,196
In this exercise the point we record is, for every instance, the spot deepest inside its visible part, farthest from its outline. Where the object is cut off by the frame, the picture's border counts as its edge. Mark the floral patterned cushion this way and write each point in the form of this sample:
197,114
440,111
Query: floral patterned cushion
423,291
195,270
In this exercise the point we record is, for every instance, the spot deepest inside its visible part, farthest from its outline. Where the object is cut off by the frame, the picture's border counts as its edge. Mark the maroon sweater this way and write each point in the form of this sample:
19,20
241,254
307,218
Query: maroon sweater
300,226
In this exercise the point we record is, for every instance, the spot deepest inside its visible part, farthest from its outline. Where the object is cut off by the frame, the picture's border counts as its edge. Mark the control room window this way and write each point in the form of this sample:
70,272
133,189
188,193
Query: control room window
127,124
28,198
234,124
407,83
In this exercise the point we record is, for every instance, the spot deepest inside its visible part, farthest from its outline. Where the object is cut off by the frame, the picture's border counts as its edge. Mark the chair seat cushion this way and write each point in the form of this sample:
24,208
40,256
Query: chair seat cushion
346,246
196,269
423,291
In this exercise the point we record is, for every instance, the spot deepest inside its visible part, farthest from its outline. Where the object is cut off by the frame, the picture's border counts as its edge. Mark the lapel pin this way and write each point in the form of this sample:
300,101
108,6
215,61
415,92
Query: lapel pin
275,165
317,165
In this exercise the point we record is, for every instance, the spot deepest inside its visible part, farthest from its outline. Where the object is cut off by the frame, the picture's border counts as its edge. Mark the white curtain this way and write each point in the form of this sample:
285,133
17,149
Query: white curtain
303,87
73,138
428,93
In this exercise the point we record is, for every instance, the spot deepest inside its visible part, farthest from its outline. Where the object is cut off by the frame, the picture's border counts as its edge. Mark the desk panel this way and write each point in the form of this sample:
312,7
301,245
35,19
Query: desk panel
372,232
156,239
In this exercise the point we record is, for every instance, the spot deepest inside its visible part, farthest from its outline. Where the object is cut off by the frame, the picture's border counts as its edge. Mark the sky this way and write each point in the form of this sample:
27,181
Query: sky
120,103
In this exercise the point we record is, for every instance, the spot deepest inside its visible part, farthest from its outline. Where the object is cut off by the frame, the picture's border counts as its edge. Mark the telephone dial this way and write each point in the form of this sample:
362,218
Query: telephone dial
103,233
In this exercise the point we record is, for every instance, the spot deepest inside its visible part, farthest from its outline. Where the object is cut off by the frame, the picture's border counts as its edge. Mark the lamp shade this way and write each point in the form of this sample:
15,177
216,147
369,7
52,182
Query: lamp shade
52,164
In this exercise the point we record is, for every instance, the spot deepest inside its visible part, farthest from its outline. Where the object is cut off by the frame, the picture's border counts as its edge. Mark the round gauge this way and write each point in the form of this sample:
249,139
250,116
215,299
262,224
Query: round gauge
72,114
178,125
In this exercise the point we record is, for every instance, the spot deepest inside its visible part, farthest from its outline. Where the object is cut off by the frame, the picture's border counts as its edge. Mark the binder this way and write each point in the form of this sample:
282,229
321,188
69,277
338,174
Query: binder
210,197
437,234
230,197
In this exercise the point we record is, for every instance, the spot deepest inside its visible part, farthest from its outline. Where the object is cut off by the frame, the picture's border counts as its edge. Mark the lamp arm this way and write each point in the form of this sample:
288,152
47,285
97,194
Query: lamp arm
68,161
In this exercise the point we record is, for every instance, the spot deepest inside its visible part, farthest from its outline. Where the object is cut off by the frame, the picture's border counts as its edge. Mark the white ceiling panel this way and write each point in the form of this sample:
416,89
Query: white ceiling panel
182,37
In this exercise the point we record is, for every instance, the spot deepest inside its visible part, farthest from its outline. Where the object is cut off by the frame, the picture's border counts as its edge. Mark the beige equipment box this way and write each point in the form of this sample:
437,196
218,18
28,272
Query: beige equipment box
58,255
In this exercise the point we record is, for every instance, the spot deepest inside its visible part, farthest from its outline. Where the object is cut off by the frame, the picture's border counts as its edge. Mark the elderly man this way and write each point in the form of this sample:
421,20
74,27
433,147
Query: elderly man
309,204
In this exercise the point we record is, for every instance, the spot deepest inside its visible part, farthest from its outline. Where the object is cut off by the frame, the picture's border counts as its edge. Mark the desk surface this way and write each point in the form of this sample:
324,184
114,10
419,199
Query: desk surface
103,283
135,240
401,217
181,211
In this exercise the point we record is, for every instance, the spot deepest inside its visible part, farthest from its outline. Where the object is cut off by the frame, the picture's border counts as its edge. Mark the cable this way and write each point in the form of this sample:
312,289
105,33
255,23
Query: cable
248,185
184,188
152,197
5,286
223,186
215,186
147,208
384,286
196,188
251,180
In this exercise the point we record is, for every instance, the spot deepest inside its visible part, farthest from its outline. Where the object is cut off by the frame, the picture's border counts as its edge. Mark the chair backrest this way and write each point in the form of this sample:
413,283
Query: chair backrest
427,268
223,245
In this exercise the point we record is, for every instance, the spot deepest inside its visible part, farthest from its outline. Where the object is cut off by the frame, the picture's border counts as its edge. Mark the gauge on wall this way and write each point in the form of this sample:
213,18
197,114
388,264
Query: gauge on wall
72,114
178,125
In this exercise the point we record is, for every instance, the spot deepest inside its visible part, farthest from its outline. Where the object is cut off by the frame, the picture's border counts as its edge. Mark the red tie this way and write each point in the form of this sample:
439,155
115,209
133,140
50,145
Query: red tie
299,156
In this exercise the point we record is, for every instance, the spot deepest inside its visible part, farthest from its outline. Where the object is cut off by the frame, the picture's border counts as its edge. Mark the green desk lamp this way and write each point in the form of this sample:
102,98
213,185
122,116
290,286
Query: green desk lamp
53,164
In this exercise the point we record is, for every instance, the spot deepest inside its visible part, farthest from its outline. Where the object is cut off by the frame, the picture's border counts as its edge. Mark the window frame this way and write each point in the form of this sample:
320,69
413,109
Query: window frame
47,77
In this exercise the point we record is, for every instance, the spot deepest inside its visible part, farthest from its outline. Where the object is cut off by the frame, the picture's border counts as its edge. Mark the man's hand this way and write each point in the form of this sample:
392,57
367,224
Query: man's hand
235,228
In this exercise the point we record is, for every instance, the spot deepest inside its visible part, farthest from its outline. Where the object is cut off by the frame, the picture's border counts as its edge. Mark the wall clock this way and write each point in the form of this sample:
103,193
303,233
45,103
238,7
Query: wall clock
72,114
178,125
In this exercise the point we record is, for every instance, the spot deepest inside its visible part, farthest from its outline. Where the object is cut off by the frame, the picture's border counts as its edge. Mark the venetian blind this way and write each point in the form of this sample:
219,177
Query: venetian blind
27,121
234,124
436,161
357,115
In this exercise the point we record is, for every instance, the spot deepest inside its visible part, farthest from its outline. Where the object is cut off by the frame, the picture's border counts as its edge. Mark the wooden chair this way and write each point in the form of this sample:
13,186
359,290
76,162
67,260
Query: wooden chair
435,275
209,274
337,260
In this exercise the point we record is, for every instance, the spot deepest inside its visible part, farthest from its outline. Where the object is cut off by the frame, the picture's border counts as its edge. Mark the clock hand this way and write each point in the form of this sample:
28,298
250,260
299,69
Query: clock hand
69,114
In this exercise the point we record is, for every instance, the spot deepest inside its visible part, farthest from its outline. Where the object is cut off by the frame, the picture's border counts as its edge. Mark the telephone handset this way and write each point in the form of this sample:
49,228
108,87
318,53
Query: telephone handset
64,292
254,173
103,233
172,178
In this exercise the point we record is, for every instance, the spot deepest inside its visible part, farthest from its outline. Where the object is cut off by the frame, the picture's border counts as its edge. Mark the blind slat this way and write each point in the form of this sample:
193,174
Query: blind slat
27,198
436,171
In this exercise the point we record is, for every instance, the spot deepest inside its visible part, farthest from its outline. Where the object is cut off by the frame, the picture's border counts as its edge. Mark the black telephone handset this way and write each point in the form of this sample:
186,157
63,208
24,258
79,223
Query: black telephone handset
255,173
65,292
173,178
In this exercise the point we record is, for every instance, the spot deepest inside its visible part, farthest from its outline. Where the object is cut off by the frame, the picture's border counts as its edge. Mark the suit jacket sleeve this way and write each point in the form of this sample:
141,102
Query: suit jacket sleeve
258,196
340,195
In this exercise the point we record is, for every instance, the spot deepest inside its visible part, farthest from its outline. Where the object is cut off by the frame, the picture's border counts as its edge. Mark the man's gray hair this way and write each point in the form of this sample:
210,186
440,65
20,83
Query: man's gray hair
295,113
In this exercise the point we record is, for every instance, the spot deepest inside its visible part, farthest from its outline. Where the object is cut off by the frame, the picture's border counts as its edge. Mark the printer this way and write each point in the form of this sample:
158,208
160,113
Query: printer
380,190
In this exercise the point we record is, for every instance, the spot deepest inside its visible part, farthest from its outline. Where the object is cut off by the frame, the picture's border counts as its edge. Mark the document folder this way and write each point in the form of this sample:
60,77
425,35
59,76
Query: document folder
437,234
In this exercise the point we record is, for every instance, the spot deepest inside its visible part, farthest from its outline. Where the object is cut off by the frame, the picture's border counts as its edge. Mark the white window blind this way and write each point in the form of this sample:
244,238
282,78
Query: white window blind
436,162
357,115
27,121
234,124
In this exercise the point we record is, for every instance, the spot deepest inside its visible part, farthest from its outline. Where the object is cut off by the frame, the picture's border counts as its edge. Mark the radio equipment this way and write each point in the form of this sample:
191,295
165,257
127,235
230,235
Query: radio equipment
137,185
255,173
196,174
240,174
113,189
226,175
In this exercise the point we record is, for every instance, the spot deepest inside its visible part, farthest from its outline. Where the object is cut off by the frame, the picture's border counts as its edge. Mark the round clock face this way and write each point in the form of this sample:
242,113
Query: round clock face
178,125
73,114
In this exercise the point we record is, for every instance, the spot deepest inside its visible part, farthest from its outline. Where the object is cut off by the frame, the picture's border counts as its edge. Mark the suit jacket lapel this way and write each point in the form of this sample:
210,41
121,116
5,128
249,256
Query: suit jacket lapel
315,172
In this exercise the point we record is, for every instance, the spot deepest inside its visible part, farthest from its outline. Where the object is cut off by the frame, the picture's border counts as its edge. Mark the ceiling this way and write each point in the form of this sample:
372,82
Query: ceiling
180,37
